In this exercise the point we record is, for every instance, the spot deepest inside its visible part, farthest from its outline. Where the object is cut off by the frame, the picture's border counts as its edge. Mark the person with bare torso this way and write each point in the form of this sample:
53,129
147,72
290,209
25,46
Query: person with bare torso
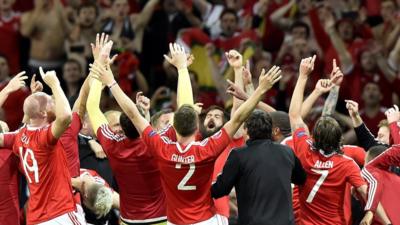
46,35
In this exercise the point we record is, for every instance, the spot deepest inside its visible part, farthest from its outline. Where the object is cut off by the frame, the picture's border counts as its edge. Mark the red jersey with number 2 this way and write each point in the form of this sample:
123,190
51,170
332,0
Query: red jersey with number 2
44,164
186,174
323,195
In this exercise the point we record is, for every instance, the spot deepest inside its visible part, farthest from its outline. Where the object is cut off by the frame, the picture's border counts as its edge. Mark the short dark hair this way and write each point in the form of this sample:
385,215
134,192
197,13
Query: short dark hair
303,25
229,11
128,127
215,107
154,119
376,150
327,135
185,120
281,120
88,4
259,125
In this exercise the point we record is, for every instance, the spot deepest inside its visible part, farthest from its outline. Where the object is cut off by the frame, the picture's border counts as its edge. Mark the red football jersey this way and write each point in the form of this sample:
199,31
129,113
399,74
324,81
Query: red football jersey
137,175
69,141
358,155
9,205
44,163
395,132
288,141
222,204
186,173
383,162
322,196
387,185
12,107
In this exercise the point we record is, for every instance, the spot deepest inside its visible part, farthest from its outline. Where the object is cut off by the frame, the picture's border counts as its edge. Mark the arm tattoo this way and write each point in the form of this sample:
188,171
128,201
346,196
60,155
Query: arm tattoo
330,103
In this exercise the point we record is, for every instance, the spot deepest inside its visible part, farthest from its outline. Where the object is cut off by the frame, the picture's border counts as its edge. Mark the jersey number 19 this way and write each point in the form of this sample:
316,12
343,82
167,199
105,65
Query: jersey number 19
29,168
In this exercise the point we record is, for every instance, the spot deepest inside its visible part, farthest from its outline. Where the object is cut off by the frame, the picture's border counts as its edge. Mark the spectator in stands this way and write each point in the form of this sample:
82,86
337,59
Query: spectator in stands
10,36
388,31
372,112
72,75
83,31
46,35
12,106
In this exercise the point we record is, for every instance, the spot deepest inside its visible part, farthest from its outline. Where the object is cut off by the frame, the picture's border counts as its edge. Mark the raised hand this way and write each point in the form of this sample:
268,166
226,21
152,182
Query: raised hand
36,86
50,78
352,107
393,114
267,80
234,58
323,86
367,220
336,75
307,66
247,74
190,59
142,101
17,82
236,91
101,41
178,56
198,107
102,73
105,51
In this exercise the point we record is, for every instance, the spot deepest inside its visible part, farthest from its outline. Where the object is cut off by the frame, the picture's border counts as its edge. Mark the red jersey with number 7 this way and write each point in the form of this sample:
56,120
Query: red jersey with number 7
323,195
44,164
186,174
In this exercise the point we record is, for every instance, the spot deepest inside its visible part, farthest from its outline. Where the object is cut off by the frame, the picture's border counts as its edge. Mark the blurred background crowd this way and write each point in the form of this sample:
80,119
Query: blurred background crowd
362,35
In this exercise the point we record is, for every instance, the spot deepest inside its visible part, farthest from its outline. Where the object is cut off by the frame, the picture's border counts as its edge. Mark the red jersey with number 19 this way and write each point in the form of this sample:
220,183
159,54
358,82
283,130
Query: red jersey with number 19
323,195
186,174
45,167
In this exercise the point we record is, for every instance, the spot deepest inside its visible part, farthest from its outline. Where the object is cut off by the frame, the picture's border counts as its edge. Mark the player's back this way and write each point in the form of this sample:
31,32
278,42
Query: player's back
186,173
44,164
322,196
137,176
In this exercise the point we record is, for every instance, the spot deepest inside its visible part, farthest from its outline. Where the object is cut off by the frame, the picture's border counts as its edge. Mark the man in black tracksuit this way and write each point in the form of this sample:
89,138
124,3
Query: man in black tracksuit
261,172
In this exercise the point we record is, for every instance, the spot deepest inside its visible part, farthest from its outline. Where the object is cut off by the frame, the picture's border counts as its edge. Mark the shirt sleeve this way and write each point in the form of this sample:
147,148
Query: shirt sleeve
300,141
354,177
365,137
214,145
228,177
395,132
169,132
153,140
8,140
46,137
107,138
69,139
375,189
390,157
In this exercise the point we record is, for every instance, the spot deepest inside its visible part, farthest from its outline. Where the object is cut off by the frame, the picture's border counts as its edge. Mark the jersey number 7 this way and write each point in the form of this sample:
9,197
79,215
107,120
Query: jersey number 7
324,174
29,168
182,185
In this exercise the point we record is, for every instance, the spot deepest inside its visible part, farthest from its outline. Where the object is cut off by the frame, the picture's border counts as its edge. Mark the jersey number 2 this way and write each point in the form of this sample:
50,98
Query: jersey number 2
182,185
324,174
29,168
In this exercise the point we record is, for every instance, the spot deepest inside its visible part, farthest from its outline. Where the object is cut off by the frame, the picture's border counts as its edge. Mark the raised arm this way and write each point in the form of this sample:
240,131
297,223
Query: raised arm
216,76
346,61
306,67
235,60
278,17
17,82
331,101
179,60
393,117
322,86
235,91
266,81
127,105
62,108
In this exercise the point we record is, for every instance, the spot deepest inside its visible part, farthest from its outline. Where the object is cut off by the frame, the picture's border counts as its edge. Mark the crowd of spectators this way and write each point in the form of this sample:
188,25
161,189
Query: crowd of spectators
363,37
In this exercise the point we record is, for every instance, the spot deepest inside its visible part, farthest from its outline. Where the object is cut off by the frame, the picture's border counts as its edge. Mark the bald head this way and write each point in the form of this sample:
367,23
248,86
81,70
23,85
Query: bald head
35,105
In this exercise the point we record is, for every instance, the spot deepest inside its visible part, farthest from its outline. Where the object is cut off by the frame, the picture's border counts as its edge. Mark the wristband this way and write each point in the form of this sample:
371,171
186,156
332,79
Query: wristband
112,84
